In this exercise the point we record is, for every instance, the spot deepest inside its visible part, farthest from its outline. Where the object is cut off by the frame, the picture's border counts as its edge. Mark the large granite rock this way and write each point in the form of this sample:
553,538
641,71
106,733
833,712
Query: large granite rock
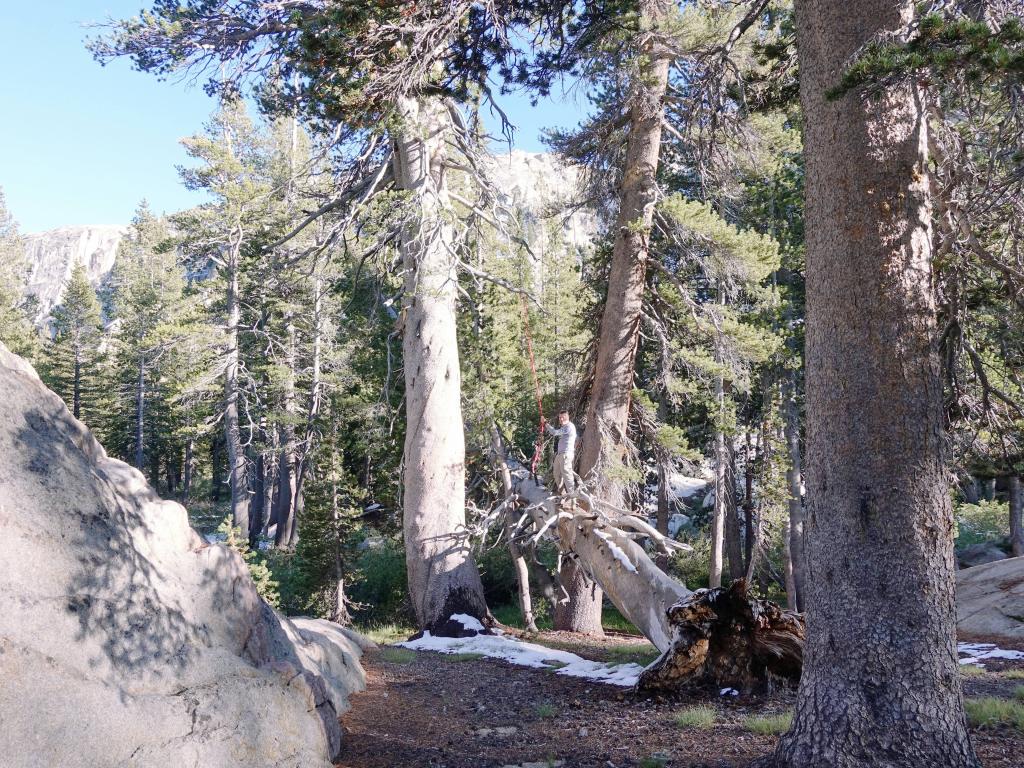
990,600
127,640
979,554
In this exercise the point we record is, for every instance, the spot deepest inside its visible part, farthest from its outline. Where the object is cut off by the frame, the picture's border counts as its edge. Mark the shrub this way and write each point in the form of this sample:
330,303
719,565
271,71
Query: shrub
258,570
981,522
545,710
701,716
769,725
379,587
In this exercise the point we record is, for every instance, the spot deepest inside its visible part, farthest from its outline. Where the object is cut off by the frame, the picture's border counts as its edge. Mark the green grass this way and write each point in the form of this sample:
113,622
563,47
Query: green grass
653,762
611,619
1013,674
640,653
988,711
769,725
545,710
971,670
385,634
461,656
397,655
1018,693
701,716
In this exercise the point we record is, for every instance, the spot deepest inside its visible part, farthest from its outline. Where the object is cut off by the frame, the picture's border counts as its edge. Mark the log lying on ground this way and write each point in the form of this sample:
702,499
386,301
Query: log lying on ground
726,638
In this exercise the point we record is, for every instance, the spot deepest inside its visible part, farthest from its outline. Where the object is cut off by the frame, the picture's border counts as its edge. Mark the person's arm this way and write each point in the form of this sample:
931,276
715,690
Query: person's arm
553,431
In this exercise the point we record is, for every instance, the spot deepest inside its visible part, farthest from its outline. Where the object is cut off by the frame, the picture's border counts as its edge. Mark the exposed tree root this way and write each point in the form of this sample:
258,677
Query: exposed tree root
724,637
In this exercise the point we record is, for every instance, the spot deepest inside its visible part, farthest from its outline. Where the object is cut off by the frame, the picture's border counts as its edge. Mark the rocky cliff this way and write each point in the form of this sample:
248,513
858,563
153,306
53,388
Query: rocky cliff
531,185
54,253
126,639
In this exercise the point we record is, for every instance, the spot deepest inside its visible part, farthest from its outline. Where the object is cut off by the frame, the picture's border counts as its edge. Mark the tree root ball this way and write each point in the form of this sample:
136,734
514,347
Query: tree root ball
726,638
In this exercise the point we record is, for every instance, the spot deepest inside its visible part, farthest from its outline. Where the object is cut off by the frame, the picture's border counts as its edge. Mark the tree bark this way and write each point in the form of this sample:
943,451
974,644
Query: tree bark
582,611
1016,517
186,471
604,442
287,486
718,515
880,683
443,577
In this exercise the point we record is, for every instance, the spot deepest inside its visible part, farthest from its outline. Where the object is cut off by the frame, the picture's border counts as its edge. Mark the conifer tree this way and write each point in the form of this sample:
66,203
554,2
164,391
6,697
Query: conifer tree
16,328
72,365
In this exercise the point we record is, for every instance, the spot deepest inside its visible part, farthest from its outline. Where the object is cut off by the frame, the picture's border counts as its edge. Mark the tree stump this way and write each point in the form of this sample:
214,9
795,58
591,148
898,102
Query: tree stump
724,637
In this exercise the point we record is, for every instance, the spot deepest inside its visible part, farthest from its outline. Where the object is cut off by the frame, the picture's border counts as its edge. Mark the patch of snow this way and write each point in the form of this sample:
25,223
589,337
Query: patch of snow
676,523
467,621
728,692
525,654
616,551
975,653
683,487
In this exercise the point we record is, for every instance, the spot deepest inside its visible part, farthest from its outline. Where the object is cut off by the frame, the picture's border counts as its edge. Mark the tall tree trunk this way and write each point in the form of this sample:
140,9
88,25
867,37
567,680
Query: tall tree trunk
140,413
880,683
443,577
795,558
718,515
238,477
287,481
734,544
749,531
500,461
77,397
604,441
1016,516
188,464
216,471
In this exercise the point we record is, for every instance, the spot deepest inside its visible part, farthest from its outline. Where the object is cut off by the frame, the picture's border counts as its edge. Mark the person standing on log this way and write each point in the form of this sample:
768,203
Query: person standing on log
565,480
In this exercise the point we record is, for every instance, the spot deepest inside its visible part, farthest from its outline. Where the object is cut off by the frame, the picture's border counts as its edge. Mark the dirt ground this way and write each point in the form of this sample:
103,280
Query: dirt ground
429,709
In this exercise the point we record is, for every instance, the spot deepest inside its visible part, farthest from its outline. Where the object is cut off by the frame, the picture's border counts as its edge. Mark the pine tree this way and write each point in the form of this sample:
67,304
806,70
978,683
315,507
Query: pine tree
16,329
73,358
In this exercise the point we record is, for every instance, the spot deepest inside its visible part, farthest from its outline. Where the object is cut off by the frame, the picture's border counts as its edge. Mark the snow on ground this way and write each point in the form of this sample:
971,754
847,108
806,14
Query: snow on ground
975,653
526,654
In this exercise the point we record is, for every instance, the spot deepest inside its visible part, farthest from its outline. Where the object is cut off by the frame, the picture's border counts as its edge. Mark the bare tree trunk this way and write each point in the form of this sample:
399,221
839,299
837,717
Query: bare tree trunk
77,398
582,611
604,442
881,682
238,478
1016,517
443,577
140,413
287,485
795,558
718,517
500,461
734,546
749,530
188,465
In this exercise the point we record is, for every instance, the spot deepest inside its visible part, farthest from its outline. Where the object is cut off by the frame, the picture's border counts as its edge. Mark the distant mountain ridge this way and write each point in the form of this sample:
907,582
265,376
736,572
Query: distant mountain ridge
53,254
529,183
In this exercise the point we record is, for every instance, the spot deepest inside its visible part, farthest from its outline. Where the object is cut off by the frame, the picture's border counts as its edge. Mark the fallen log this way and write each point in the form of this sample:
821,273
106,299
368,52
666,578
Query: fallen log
727,639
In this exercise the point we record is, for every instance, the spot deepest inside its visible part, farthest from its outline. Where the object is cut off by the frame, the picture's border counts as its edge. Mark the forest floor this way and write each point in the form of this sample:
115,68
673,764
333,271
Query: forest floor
463,711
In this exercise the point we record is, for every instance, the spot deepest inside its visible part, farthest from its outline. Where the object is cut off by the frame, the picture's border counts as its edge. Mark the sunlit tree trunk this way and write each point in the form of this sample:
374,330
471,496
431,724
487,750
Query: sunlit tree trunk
443,577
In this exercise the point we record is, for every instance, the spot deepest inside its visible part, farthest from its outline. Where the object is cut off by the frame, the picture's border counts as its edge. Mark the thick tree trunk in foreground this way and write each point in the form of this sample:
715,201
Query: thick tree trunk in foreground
499,459
603,444
443,577
1016,517
881,683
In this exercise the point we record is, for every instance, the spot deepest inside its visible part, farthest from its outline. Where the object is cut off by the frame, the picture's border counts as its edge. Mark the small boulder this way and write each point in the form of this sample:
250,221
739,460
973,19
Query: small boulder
979,554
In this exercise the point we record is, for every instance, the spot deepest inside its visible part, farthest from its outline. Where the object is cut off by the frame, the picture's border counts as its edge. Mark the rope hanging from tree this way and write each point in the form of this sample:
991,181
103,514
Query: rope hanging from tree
539,445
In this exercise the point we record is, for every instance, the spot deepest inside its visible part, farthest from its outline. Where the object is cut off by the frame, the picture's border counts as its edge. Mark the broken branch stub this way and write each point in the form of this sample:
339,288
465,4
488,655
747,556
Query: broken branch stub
726,638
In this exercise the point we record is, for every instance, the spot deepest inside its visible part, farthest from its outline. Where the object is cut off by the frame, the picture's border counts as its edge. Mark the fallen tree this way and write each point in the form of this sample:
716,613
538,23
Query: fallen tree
722,636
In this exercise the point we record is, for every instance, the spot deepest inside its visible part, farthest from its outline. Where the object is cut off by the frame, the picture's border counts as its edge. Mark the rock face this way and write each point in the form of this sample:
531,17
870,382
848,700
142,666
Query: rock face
54,253
533,185
978,554
990,600
127,640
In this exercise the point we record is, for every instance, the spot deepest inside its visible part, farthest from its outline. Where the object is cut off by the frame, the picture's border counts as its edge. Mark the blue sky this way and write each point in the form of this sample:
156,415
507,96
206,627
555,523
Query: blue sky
83,144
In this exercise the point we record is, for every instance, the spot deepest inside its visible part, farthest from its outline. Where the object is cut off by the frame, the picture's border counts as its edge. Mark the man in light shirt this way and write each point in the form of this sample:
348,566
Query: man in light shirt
565,480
